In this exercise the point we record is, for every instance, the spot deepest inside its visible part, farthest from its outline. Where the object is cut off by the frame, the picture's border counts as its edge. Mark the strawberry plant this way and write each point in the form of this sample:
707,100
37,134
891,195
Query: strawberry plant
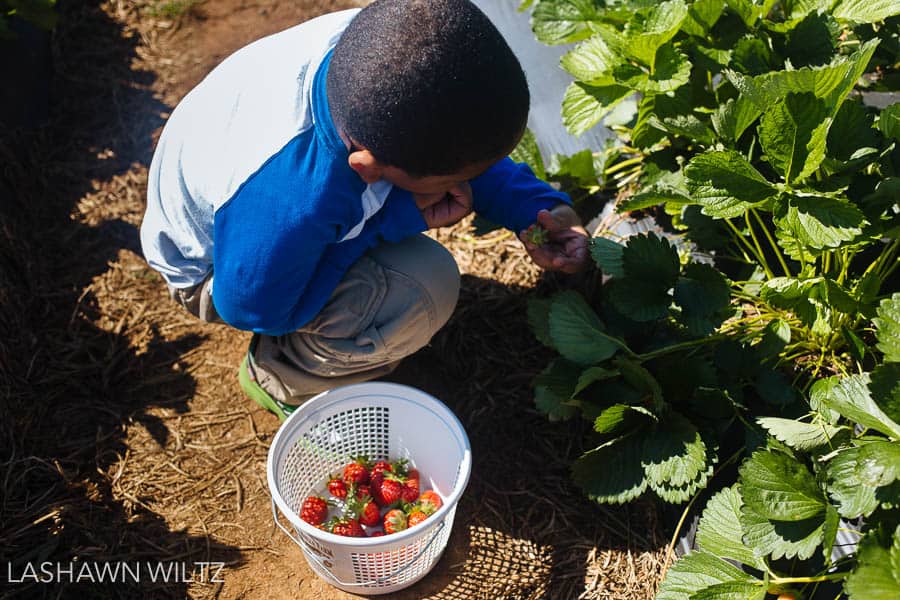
773,341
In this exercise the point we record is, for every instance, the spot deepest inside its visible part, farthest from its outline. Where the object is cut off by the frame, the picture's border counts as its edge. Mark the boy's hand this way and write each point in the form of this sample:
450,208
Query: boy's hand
443,210
567,245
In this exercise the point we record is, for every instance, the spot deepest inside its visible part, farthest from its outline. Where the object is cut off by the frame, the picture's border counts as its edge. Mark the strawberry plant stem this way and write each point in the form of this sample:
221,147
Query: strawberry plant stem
675,347
772,242
624,164
817,578
740,239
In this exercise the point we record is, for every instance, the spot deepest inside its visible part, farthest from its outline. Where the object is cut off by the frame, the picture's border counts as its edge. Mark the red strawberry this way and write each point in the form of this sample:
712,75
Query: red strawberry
415,517
411,486
348,528
391,490
364,509
357,472
380,467
394,521
378,533
363,490
337,487
314,510
430,501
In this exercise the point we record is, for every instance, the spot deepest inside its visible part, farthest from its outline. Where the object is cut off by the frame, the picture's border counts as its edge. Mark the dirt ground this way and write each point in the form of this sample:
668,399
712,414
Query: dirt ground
123,433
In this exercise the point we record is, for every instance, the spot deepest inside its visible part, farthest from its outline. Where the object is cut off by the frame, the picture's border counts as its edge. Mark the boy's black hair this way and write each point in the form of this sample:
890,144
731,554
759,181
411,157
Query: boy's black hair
427,86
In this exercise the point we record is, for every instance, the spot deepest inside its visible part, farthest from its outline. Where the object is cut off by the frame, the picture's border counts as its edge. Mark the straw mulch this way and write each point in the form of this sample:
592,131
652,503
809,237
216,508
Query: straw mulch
123,434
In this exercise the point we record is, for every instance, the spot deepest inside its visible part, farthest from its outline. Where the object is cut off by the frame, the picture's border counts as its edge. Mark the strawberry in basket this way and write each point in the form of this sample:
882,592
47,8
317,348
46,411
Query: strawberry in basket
394,521
430,501
357,471
364,509
345,526
314,510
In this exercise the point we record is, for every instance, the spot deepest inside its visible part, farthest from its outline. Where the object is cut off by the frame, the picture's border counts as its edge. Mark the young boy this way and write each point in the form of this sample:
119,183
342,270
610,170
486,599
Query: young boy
289,189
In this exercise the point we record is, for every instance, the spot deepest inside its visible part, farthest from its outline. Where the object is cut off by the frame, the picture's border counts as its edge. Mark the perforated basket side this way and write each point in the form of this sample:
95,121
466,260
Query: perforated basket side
323,448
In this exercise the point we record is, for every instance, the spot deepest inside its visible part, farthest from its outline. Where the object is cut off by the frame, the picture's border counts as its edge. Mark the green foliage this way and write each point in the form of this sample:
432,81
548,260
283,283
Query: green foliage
750,131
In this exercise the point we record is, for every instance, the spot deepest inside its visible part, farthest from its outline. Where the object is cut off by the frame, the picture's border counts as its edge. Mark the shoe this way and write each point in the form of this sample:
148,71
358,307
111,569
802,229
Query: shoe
255,392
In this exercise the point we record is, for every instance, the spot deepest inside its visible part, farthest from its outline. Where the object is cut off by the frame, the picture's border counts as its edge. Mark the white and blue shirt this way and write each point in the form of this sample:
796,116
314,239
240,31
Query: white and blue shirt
250,181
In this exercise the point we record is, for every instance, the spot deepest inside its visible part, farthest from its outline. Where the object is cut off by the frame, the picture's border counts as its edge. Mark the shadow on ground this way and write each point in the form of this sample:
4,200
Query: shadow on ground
69,389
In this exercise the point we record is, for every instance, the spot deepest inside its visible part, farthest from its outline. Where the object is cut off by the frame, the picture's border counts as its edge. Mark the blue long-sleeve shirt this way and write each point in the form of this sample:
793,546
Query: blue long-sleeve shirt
250,182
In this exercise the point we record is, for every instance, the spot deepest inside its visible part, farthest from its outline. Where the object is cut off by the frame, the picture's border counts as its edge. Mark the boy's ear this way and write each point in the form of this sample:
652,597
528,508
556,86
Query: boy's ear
366,166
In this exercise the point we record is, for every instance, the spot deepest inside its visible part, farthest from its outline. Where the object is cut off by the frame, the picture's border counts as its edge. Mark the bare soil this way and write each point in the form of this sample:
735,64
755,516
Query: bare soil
123,433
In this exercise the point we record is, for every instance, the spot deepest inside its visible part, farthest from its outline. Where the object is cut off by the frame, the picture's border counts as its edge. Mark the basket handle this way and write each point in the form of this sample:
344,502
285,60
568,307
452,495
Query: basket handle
314,554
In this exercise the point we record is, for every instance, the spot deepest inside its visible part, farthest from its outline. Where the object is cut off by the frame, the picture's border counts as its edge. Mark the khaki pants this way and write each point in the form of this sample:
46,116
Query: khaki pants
389,305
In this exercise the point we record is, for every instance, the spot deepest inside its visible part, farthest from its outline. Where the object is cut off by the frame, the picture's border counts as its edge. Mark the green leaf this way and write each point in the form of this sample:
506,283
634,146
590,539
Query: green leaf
593,61
725,184
578,167
687,126
678,494
644,135
554,387
672,70
702,292
876,576
639,300
780,488
649,257
640,379
615,416
752,56
851,130
774,387
612,473
648,31
793,133
539,320
669,188
719,531
884,386
585,105
775,336
887,326
797,9
734,117
781,538
817,394
577,332
850,396
608,256
855,474
695,572
797,434
527,152
749,11
865,11
674,454
733,590
889,121
812,41
818,222
592,375
831,82
702,15
565,21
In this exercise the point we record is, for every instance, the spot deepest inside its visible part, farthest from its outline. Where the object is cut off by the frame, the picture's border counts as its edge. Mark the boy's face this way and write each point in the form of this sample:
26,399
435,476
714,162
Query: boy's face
433,184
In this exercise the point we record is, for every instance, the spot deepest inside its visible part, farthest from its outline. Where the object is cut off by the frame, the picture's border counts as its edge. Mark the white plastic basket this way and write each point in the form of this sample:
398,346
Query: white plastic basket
378,420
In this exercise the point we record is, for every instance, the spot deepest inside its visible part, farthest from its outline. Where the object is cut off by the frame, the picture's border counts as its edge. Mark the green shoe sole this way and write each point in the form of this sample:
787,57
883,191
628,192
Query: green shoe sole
255,392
